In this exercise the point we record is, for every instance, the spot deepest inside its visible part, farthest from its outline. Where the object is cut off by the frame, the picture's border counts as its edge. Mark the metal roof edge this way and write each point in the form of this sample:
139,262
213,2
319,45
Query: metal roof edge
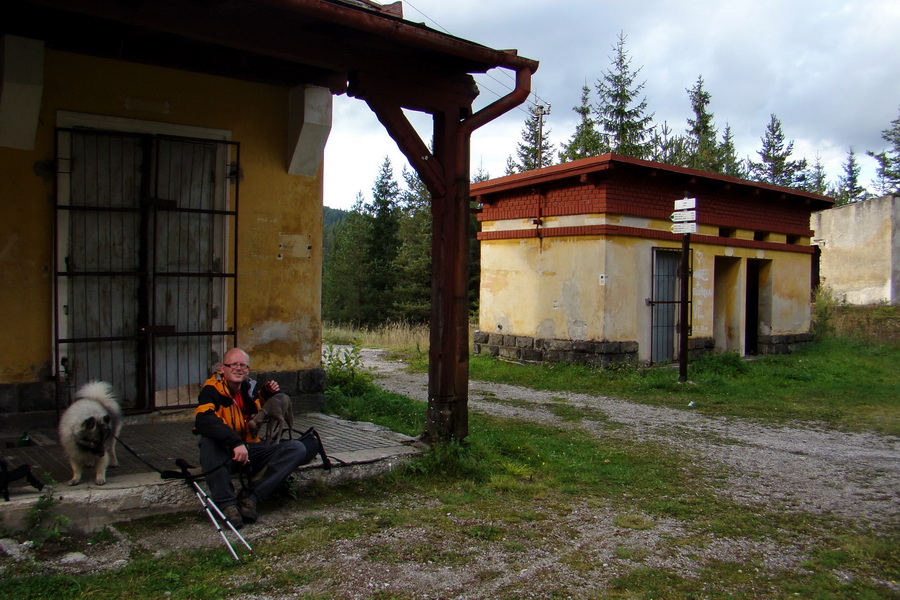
604,162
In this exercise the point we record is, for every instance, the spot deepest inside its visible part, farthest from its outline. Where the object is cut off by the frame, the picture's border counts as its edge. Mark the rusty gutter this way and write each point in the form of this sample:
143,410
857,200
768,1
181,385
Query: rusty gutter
490,112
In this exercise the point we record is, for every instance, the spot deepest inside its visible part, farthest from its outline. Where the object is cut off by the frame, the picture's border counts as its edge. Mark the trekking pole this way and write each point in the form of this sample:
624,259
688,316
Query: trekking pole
208,505
212,510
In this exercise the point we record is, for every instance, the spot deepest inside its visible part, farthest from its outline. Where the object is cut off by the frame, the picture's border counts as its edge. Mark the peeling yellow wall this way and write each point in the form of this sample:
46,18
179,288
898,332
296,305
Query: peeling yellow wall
279,281
543,288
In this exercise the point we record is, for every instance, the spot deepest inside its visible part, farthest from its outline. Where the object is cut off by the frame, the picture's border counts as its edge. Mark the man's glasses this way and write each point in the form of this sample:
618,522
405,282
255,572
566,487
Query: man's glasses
235,366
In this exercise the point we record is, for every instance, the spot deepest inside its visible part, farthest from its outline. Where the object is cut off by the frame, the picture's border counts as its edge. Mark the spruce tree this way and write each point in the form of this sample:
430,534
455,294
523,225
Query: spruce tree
511,166
848,188
703,150
625,126
586,141
383,243
667,148
731,164
888,173
345,284
817,181
535,149
776,166
412,297
480,175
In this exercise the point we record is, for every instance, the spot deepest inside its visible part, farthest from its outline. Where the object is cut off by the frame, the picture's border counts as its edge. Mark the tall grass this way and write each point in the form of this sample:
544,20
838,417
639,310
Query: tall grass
400,336
879,323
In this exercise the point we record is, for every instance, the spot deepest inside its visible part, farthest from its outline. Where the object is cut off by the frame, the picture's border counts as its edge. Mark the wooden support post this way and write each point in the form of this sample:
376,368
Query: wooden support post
448,358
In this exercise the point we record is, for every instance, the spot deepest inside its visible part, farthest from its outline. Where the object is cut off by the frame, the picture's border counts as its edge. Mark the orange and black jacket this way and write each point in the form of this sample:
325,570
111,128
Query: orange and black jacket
219,417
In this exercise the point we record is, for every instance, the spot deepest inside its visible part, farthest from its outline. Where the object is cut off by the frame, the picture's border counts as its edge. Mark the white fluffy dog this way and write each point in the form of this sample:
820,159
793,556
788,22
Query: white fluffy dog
88,430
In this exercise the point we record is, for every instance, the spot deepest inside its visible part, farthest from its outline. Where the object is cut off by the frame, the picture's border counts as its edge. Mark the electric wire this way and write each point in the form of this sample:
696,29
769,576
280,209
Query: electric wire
532,104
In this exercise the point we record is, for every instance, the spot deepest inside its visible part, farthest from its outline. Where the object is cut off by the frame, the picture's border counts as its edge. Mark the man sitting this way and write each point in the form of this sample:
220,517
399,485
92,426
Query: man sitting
227,401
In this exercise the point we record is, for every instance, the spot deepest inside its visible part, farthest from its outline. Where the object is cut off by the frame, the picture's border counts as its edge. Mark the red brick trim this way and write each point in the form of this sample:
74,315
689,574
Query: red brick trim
654,234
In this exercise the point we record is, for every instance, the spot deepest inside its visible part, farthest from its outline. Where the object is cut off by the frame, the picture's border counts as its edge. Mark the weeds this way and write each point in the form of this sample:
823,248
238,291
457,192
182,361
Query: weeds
824,305
344,370
41,525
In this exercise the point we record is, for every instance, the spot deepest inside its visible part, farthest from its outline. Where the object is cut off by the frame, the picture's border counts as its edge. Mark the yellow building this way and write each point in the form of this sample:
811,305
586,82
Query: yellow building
161,168
579,263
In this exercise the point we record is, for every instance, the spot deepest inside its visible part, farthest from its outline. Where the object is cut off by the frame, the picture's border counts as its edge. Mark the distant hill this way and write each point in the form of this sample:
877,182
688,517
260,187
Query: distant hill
332,216
331,221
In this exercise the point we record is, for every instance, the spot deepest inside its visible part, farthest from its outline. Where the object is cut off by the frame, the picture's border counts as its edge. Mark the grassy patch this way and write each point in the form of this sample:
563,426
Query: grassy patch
198,574
839,381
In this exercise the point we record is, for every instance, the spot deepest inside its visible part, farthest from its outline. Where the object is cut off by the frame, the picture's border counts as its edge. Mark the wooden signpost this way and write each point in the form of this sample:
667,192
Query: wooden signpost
684,221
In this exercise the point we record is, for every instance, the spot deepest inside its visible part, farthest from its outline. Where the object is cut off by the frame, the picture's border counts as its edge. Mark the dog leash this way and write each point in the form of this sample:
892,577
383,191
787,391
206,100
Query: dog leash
169,474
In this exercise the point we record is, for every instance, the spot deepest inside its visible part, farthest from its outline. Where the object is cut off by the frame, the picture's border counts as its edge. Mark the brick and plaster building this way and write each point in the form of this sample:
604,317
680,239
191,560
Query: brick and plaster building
578,263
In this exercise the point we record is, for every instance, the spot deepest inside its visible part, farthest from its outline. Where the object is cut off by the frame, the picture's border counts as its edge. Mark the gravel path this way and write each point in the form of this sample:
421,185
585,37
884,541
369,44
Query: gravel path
854,476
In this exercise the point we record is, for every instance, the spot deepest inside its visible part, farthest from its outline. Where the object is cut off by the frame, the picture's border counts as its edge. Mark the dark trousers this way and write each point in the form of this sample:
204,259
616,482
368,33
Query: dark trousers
279,460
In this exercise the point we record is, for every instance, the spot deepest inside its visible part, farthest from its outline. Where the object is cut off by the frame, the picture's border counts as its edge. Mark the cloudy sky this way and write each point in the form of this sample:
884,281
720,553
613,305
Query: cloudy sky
828,69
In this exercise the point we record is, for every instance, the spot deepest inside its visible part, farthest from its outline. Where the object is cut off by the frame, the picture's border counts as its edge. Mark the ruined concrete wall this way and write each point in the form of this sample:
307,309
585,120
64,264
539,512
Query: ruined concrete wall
860,245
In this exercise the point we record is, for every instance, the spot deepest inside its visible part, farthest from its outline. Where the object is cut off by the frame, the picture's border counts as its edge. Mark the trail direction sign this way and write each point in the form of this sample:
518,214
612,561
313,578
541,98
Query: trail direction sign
683,228
686,204
682,216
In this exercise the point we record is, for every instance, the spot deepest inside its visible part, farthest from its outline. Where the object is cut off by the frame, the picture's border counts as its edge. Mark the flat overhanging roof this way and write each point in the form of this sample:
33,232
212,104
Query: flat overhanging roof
283,42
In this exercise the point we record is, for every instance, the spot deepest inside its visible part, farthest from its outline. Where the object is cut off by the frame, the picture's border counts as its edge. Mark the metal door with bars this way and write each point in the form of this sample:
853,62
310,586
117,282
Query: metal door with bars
664,304
145,263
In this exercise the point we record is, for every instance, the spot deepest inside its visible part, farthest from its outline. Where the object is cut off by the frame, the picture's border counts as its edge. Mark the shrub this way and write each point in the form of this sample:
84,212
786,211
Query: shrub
824,306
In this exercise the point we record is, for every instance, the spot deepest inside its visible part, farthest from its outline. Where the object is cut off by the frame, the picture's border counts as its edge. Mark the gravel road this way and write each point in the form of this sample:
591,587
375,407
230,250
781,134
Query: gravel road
854,476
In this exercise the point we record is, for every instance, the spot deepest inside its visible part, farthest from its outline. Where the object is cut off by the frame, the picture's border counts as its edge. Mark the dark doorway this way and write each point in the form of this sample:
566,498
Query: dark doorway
751,326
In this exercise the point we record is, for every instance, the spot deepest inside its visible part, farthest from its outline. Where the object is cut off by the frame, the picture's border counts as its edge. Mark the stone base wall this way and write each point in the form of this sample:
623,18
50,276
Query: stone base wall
27,406
529,349
697,347
306,388
30,406
783,343
600,354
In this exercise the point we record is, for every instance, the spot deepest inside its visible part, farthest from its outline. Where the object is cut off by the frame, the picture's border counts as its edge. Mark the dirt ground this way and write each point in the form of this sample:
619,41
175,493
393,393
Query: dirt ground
853,477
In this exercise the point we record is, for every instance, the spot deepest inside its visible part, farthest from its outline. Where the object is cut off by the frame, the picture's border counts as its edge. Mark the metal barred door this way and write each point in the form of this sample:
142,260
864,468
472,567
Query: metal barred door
145,263
664,304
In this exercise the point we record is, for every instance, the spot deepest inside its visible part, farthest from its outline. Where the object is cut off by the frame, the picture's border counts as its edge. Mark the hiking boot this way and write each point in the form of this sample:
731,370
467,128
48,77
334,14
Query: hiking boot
247,508
233,515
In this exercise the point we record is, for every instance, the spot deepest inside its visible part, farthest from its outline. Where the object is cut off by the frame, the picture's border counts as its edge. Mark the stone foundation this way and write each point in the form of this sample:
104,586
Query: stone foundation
783,343
306,388
26,406
585,352
529,349
697,347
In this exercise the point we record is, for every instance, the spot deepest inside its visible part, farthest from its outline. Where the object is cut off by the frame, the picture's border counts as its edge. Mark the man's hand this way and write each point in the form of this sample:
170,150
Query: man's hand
272,386
240,454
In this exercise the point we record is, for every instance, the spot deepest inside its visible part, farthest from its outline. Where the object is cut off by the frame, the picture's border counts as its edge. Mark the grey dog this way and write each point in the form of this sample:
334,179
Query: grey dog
277,414
88,430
